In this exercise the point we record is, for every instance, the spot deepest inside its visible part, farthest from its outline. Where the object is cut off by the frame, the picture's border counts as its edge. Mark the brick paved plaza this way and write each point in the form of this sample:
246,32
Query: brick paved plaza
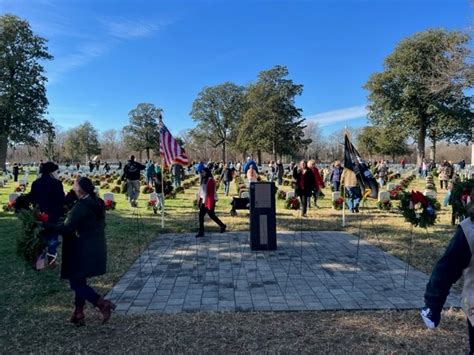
309,271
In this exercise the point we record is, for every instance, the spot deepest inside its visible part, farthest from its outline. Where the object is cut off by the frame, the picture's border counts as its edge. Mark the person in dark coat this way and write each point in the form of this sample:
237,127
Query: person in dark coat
457,261
16,172
47,192
305,184
84,252
279,171
227,176
132,172
335,177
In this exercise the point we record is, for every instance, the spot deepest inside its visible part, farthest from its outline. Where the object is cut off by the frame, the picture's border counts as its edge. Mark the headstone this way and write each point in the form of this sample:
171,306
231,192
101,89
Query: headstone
23,181
108,196
335,195
430,193
154,196
244,194
96,190
384,196
391,186
12,197
2,182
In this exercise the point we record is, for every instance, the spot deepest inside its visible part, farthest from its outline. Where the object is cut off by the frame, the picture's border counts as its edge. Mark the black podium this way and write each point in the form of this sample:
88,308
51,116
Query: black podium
262,216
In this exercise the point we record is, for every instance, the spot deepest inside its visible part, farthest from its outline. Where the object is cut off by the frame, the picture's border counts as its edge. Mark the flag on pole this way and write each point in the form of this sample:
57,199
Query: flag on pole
170,150
354,162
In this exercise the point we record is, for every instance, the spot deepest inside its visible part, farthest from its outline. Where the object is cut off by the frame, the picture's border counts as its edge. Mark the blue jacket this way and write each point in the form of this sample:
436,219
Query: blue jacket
250,163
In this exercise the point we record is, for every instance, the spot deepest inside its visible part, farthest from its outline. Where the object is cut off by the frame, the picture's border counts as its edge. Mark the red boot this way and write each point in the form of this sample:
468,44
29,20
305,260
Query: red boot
78,317
105,307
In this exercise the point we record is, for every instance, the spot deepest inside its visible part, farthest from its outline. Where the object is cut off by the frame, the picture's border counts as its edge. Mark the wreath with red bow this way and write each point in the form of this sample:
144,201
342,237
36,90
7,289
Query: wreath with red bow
418,209
460,195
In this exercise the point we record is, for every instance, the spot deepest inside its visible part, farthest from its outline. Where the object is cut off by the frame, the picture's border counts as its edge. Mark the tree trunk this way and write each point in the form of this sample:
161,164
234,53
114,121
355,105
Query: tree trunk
274,151
148,154
259,157
433,149
140,155
421,145
3,151
223,152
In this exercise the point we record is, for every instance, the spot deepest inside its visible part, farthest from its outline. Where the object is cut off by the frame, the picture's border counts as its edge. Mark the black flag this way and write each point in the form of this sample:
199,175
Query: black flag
354,162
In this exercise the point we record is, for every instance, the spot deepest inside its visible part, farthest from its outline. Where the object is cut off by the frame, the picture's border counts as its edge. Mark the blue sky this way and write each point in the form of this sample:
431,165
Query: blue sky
111,55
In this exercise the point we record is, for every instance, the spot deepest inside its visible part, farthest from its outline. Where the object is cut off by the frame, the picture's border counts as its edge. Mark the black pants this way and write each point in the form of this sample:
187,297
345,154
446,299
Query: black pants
212,215
304,203
83,292
471,337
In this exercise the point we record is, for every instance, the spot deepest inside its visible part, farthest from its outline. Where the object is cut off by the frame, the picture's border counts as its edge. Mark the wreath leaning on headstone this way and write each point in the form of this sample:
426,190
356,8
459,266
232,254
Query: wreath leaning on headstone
460,196
418,209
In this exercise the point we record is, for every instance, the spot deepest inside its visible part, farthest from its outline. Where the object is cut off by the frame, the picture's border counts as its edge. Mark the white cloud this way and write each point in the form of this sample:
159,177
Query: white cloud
336,116
127,29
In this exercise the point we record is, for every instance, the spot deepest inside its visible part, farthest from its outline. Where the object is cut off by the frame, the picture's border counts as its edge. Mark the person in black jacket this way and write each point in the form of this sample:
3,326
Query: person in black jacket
84,253
16,172
47,192
456,261
131,172
305,184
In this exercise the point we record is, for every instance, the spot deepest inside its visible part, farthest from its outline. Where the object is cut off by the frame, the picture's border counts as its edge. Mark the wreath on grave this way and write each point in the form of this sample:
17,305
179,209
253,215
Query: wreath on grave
292,203
385,205
338,203
10,206
418,209
460,196
109,205
281,195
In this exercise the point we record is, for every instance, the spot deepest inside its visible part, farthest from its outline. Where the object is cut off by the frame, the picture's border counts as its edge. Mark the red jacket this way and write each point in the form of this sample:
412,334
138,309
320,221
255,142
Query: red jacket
210,201
317,177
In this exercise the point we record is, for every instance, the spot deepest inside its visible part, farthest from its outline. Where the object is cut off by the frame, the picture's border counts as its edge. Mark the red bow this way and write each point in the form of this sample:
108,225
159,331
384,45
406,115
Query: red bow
42,217
418,197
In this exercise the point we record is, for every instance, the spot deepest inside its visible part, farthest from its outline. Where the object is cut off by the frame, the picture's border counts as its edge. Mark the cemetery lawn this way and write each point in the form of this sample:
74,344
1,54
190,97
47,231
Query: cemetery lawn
35,306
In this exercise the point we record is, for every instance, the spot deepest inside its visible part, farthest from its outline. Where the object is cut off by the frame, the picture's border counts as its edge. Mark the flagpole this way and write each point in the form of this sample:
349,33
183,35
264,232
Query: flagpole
344,188
162,194
160,122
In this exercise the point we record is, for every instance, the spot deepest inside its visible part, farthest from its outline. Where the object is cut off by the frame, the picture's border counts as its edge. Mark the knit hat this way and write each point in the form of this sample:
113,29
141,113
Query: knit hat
49,167
86,185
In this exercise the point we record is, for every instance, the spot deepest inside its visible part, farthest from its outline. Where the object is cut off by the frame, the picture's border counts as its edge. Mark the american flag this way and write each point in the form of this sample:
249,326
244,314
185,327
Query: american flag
170,150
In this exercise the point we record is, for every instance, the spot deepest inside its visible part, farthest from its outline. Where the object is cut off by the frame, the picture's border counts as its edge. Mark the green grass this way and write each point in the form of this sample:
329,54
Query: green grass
35,306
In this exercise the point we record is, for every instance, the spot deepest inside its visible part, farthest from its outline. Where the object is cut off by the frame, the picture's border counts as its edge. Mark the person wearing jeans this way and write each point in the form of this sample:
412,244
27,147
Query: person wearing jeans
47,192
131,172
335,177
350,184
207,198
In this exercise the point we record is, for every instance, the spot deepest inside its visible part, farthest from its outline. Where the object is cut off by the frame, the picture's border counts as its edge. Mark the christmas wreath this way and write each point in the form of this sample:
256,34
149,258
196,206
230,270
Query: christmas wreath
418,209
10,207
385,205
30,244
292,203
152,204
147,189
338,203
460,196
281,195
109,205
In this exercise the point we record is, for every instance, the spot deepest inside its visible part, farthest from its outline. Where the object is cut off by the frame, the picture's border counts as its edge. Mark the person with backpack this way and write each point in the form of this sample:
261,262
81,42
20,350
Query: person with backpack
227,177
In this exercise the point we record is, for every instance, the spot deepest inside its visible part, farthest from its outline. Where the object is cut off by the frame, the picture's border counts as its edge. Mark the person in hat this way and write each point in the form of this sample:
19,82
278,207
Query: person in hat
84,252
48,194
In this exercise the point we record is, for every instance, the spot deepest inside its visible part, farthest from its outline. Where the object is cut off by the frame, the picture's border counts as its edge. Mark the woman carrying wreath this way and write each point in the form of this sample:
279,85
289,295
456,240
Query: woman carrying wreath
84,252
457,261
